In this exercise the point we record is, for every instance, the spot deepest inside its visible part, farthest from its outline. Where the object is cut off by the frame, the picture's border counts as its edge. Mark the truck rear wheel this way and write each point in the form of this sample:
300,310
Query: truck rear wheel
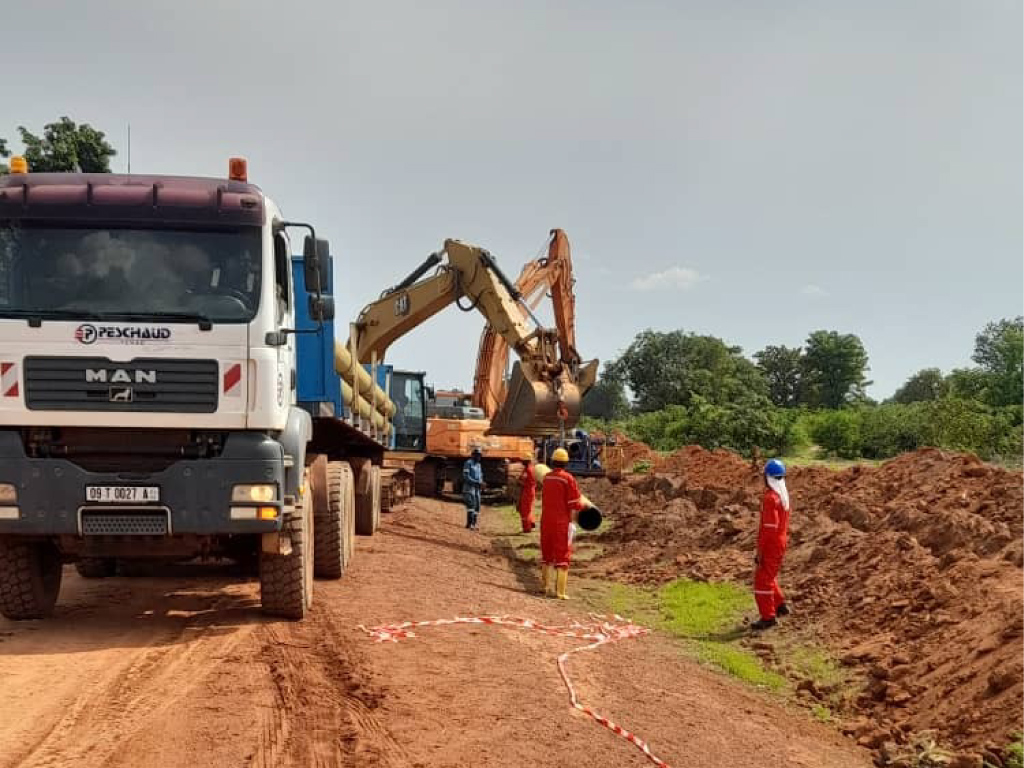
349,499
331,551
286,581
30,575
364,498
96,567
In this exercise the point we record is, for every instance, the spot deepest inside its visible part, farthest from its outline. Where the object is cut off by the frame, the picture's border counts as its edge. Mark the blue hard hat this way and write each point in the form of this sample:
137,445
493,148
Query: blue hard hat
775,468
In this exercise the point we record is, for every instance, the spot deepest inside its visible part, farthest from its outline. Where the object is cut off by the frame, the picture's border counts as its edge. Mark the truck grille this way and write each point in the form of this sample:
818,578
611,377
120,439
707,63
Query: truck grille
99,384
125,523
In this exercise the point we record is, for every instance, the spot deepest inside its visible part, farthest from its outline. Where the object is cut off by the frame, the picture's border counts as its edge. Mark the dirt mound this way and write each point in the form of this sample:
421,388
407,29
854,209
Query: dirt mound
700,467
911,571
633,451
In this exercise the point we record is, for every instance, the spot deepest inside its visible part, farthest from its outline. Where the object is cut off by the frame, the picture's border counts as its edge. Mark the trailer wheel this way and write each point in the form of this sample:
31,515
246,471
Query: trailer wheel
30,575
425,479
330,528
286,581
96,567
375,480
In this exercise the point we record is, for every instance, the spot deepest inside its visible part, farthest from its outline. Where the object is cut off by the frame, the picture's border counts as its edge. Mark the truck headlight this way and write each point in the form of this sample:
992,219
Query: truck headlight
8,493
254,493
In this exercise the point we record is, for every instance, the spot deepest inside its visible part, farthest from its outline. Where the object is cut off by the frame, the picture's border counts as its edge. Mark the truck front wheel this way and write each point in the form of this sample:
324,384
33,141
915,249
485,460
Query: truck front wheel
30,574
286,581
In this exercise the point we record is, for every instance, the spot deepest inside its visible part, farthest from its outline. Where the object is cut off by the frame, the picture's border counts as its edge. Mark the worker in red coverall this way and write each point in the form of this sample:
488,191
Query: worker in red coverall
771,546
527,495
560,499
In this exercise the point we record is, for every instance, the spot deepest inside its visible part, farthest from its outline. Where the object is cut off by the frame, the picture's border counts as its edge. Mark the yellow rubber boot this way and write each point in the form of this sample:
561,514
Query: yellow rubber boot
547,578
561,577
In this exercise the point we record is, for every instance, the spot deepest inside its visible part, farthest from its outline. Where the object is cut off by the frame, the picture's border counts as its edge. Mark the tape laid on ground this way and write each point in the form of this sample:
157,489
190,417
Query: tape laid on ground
602,630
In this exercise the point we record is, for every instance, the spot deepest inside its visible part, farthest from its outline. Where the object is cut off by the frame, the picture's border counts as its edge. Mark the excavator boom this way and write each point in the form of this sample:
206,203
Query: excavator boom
543,395
549,276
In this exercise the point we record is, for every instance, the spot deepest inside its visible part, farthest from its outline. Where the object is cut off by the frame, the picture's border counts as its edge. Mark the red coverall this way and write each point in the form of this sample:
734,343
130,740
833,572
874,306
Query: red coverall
771,546
560,497
527,495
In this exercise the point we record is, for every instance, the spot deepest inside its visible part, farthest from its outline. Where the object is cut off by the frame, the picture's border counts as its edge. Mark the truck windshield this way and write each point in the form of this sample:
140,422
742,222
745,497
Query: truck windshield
61,272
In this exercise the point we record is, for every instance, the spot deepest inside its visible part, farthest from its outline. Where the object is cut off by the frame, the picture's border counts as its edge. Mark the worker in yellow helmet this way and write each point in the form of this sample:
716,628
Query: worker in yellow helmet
560,499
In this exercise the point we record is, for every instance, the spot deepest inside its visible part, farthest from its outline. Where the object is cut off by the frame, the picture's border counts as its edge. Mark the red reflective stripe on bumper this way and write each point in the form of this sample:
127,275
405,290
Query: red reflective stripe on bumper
232,376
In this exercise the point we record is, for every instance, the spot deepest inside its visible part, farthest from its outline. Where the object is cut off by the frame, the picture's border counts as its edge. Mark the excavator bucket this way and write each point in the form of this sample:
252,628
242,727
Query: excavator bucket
587,376
532,408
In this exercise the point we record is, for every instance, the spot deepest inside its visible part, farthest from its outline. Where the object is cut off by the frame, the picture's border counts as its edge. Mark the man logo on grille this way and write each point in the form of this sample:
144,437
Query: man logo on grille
121,394
85,334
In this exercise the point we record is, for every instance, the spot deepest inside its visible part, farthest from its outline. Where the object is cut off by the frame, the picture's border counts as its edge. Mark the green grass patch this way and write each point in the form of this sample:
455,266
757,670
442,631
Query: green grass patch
828,463
822,713
1014,754
740,663
815,663
704,616
696,609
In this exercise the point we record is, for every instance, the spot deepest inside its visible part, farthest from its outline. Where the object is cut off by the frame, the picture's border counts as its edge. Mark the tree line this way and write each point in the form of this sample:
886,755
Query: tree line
64,147
687,388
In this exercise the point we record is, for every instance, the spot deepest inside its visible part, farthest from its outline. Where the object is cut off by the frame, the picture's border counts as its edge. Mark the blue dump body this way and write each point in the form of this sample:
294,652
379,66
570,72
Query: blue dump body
319,385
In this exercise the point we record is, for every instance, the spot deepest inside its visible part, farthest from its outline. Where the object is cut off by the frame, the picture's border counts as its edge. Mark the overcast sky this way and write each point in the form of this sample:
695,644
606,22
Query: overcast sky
751,170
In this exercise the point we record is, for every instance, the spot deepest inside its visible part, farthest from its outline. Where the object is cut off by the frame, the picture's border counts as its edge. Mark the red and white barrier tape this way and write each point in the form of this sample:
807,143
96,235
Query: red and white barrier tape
601,631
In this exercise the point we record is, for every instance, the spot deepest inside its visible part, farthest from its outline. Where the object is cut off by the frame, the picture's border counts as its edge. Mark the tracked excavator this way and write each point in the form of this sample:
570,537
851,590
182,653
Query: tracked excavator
542,396
550,276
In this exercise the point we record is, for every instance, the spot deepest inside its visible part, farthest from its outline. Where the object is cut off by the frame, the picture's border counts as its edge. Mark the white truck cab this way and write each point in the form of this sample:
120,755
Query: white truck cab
148,379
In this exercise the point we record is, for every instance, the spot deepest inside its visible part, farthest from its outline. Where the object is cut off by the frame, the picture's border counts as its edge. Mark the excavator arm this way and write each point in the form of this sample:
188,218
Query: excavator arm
543,394
550,275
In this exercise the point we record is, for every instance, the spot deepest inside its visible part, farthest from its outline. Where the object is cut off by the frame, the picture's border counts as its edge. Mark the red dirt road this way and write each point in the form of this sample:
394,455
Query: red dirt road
180,669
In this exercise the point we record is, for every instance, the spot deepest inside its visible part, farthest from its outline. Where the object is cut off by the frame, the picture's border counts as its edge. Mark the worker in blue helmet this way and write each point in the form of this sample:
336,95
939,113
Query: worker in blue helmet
472,485
771,546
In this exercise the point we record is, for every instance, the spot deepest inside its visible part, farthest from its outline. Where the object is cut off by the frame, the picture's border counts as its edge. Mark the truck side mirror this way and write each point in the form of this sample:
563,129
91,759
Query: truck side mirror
316,264
321,308
310,263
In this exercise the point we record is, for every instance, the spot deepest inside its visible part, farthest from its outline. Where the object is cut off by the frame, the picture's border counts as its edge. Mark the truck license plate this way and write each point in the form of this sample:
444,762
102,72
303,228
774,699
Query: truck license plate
122,494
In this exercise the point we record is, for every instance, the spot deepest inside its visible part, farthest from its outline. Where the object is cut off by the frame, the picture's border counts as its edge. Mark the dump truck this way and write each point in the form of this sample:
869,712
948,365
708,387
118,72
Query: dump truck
170,388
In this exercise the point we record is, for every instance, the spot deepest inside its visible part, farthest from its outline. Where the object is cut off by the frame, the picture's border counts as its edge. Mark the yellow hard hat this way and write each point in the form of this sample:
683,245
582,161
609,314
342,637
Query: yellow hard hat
560,454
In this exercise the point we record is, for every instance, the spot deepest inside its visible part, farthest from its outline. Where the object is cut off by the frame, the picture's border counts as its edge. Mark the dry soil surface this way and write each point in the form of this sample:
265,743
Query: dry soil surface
178,668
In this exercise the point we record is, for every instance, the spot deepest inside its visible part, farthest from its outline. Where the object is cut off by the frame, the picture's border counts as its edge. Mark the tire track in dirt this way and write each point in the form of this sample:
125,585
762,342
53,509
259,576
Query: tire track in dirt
123,691
324,716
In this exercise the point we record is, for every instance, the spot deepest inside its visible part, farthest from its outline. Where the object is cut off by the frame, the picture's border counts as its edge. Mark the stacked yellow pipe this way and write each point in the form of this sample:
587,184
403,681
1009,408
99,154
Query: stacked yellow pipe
359,379
362,406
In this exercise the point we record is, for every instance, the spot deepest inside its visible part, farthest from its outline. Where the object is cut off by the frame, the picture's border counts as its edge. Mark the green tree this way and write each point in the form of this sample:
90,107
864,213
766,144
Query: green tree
926,384
834,367
66,146
606,399
968,384
999,350
782,368
663,369
4,152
